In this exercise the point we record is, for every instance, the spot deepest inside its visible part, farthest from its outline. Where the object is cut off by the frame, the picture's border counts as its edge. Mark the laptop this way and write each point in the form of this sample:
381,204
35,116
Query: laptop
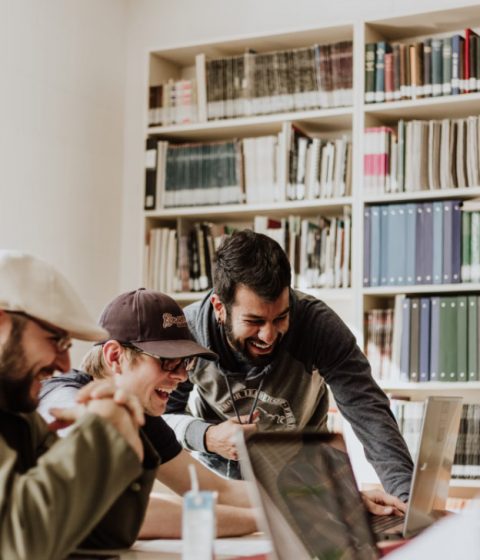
308,501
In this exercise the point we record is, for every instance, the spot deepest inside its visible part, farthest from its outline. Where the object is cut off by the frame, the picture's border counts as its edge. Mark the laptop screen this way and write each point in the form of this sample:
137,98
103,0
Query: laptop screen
309,496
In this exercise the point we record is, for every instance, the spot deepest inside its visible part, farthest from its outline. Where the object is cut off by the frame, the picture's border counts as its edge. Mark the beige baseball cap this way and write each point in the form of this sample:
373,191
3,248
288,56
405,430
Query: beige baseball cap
34,287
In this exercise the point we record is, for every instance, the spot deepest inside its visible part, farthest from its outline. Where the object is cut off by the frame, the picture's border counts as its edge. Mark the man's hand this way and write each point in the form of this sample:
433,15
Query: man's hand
106,388
117,406
381,503
221,438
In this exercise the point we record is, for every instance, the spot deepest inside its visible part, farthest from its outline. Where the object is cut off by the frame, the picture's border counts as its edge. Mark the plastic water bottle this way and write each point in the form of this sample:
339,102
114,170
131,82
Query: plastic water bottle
198,521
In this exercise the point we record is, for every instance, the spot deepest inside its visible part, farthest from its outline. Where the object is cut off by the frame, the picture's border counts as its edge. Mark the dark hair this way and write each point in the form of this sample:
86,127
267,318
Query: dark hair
253,260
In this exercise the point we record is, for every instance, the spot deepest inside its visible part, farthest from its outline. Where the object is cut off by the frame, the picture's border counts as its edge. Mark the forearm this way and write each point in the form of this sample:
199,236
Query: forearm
164,519
234,493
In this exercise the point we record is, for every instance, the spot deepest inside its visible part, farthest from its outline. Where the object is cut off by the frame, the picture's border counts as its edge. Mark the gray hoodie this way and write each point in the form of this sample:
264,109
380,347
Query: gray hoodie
318,349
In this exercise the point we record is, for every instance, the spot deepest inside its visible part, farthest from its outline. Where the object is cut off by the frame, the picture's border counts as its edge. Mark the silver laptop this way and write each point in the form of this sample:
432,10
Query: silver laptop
307,497
433,467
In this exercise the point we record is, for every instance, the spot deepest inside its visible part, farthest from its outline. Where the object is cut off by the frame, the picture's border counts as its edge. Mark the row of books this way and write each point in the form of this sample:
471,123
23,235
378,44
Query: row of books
272,82
432,338
182,262
193,174
174,102
422,155
431,67
466,463
413,243
318,248
288,166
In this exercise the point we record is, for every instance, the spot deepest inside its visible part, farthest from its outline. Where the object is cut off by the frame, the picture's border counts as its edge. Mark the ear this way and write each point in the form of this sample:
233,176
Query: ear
112,354
5,325
218,308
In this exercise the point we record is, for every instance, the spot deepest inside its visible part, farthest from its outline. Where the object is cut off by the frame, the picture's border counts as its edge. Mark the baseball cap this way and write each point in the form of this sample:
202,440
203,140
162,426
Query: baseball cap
34,287
153,322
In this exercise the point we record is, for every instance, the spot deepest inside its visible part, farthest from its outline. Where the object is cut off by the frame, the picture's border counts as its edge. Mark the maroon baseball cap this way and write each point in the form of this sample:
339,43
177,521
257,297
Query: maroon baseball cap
153,322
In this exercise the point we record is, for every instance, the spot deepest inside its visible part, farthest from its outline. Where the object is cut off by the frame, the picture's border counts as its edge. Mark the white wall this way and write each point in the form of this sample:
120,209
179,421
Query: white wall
166,23
61,137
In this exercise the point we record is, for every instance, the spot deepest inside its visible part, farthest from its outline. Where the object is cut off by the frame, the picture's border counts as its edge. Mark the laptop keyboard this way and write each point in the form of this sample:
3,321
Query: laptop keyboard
382,522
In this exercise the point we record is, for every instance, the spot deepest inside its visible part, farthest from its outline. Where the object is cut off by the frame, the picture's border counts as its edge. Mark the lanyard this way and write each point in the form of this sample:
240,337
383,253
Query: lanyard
252,410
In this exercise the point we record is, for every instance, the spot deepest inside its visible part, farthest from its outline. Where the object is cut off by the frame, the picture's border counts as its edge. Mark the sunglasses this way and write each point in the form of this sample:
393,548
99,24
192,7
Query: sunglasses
168,364
60,339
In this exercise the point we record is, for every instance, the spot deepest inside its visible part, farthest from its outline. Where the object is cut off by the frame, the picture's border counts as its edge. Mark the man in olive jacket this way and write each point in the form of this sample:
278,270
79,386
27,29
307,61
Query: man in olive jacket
91,488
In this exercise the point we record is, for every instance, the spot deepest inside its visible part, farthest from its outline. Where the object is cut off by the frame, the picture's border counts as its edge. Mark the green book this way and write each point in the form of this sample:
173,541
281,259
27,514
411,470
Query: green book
462,338
448,339
370,49
472,344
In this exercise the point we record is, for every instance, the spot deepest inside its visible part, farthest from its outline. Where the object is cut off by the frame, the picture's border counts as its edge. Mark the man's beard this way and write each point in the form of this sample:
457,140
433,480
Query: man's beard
15,378
241,347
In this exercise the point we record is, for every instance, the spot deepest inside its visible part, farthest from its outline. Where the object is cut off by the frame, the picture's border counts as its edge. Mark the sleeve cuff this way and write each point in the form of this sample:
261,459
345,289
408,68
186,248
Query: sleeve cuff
195,435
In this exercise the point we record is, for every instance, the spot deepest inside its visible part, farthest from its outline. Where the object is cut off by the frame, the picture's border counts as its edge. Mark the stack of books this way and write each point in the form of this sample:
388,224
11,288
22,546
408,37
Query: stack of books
174,102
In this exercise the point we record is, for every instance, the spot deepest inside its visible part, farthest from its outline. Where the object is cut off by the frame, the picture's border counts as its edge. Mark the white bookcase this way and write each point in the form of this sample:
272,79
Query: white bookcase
353,302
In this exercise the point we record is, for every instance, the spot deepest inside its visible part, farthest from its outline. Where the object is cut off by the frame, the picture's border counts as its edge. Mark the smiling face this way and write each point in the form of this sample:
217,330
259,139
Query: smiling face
254,326
28,354
145,378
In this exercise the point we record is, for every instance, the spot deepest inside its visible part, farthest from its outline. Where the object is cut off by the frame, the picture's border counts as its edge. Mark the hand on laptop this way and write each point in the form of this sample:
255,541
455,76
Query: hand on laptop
379,502
221,438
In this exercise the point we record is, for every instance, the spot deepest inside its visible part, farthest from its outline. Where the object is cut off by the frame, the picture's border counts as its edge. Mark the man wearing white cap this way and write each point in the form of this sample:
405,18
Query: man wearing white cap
91,488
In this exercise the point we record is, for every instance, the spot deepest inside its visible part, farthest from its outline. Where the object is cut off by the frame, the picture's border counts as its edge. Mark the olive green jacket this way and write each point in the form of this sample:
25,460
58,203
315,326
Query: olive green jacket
87,489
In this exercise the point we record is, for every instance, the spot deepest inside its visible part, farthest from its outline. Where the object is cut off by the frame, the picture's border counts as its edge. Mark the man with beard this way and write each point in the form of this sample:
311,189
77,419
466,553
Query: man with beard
277,348
90,489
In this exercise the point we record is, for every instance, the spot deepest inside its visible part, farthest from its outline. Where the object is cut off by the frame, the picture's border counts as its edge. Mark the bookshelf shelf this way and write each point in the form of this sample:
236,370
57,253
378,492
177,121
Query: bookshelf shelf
429,386
300,207
439,194
453,106
388,291
324,120
325,294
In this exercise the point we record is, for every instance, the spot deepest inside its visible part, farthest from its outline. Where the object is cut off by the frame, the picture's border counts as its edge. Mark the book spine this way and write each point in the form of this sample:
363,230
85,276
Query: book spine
150,173
472,361
424,352
447,65
437,67
366,245
381,48
434,339
462,338
370,50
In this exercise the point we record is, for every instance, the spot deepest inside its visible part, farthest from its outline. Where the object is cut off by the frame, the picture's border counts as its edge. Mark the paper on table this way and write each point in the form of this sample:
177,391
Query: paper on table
244,546
456,536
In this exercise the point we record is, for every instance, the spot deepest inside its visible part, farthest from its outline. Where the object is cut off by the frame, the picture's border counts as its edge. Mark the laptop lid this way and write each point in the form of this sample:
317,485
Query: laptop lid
307,496
433,465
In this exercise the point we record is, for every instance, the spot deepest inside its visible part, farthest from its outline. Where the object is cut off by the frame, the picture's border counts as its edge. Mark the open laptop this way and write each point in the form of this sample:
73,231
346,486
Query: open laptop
307,496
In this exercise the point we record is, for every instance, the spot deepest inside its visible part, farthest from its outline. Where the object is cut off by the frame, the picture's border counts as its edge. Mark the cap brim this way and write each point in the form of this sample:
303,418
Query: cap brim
176,349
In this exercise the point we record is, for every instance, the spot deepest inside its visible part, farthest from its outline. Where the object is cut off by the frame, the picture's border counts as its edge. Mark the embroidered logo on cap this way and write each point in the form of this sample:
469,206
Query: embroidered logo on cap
170,320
